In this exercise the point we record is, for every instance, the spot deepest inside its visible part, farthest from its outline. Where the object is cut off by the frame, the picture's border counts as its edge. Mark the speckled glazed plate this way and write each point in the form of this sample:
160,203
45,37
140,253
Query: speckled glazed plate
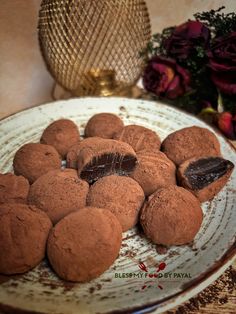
126,286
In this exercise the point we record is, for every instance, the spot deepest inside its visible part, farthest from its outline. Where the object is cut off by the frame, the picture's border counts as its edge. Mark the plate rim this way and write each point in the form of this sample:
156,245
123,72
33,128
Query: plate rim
166,104
217,268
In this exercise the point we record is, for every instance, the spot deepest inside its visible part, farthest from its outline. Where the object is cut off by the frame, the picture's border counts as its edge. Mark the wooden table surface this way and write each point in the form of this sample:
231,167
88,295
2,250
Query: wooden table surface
25,82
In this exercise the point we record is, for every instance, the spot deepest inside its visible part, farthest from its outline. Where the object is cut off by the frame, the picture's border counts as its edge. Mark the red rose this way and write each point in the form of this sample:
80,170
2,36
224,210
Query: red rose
222,61
185,38
227,124
164,77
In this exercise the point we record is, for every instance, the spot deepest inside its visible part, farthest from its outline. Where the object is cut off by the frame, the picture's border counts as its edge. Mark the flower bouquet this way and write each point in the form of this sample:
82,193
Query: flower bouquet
193,66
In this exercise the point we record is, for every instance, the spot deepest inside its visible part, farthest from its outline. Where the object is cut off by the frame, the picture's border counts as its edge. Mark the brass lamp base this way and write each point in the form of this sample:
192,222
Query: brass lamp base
60,93
101,83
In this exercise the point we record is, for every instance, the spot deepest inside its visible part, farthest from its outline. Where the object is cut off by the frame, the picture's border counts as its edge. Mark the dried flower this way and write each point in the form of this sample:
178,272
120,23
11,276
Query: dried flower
165,78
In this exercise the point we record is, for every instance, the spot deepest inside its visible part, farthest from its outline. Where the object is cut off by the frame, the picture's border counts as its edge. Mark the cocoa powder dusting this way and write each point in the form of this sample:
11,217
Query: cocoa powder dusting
161,249
217,293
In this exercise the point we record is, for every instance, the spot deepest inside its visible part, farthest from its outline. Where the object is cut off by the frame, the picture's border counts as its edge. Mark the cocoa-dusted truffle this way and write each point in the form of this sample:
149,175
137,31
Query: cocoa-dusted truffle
121,195
84,244
190,142
171,216
153,171
104,125
103,157
204,177
73,153
59,193
23,235
139,137
33,160
13,189
61,134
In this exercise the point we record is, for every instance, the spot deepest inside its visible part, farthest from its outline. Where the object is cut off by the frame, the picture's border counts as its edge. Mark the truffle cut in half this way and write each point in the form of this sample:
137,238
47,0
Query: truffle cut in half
204,177
103,157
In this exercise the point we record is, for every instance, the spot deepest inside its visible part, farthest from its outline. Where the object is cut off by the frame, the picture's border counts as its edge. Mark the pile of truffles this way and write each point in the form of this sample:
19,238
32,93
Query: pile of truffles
114,178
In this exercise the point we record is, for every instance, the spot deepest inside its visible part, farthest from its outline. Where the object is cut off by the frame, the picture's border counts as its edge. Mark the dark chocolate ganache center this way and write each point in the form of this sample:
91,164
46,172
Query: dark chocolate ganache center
108,164
204,171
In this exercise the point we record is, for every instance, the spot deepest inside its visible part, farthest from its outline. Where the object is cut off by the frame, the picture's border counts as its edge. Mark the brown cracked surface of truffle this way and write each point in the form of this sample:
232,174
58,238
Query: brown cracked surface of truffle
84,244
58,193
73,153
171,216
139,137
102,157
204,177
23,235
123,196
104,125
153,171
190,142
33,160
61,134
13,189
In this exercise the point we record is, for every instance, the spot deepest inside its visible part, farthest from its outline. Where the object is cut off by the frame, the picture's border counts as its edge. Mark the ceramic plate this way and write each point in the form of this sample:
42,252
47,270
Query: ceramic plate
129,285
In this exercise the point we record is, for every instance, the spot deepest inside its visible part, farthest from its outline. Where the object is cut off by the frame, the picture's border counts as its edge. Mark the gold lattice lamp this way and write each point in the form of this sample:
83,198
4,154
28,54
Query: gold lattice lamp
94,45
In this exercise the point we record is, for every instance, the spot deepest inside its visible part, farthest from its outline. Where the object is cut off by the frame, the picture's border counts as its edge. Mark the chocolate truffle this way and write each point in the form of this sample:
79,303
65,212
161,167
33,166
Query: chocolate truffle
13,189
33,160
121,195
104,125
204,177
171,216
61,134
58,193
23,236
73,153
103,157
190,142
139,137
84,244
153,171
